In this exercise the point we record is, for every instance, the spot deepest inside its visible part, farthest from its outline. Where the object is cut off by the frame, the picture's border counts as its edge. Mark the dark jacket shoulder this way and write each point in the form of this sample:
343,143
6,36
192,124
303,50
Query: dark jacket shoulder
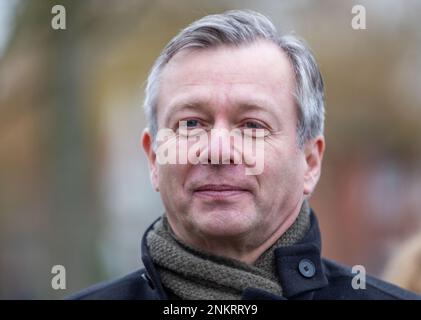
340,286
132,286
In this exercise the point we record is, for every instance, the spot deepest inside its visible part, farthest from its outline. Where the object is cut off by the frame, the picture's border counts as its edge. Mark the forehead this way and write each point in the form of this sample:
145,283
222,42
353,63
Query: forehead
256,71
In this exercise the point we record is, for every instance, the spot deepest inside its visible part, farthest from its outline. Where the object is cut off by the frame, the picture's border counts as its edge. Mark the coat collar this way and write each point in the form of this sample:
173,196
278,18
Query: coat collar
299,266
151,274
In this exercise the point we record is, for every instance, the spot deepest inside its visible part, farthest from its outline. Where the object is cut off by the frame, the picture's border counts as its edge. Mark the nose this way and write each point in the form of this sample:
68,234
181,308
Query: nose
224,146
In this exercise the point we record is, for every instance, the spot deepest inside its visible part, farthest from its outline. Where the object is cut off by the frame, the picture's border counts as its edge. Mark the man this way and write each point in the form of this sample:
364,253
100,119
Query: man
229,233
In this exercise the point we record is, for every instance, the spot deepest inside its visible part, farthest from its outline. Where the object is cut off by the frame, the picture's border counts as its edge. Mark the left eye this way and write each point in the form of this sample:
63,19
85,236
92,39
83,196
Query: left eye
253,125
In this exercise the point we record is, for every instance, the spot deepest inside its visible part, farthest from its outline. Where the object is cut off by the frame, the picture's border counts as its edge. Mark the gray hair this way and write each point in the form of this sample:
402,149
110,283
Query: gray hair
235,28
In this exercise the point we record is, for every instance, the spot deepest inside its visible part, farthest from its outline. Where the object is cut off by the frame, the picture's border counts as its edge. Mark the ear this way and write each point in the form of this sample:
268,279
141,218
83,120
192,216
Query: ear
313,150
147,143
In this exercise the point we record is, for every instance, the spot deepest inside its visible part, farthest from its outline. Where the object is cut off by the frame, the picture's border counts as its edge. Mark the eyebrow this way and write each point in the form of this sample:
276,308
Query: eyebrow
247,104
189,104
201,105
256,105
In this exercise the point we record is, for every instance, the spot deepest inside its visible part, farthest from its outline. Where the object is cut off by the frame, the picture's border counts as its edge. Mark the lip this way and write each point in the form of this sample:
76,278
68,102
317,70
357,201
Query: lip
220,191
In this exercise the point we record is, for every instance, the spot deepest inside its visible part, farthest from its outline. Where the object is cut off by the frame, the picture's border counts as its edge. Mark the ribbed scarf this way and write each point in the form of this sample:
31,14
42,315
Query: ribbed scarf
190,274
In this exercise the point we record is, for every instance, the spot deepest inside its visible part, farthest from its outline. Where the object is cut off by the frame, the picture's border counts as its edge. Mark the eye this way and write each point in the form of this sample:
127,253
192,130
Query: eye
190,127
191,123
254,129
253,125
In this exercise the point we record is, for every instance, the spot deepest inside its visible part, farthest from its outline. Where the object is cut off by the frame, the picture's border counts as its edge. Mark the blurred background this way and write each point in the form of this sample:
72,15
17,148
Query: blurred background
74,184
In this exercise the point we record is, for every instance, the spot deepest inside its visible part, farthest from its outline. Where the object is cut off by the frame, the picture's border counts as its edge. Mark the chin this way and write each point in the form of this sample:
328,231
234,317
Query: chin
224,223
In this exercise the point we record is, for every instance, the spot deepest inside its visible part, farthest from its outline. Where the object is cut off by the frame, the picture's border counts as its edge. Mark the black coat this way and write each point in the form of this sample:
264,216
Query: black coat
303,273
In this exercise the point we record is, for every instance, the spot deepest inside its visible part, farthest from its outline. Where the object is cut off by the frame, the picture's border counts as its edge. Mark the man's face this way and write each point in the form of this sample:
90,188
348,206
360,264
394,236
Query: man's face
251,86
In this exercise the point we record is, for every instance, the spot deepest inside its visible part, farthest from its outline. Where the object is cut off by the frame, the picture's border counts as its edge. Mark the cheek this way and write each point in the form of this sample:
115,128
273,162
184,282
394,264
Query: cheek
171,179
283,169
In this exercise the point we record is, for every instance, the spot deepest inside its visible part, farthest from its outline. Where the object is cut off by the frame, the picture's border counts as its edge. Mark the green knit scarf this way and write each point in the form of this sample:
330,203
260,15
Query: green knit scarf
190,274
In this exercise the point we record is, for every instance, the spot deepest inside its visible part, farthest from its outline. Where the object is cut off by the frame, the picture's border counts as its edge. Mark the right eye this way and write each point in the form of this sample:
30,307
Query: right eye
191,123
190,126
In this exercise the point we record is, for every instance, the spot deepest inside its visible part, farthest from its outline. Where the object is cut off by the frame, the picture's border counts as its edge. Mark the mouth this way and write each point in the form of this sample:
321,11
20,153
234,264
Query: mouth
220,191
